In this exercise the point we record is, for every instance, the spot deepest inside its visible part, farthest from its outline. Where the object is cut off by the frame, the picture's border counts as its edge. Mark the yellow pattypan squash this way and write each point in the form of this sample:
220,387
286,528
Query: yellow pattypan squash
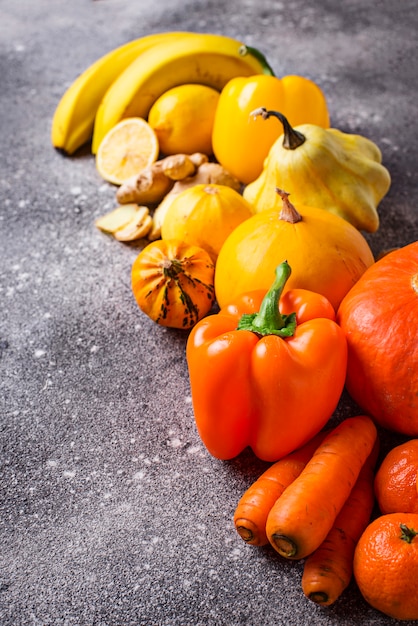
205,215
327,168
326,253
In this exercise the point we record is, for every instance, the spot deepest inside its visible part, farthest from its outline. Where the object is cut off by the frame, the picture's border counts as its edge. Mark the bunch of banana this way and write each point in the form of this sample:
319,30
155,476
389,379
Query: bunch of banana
127,81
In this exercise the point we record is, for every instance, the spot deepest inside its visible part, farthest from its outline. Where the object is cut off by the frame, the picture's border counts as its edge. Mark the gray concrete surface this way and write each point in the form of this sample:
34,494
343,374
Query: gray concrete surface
112,513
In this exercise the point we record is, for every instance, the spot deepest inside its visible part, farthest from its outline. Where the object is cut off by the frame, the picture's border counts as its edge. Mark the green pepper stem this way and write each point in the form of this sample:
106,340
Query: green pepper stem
292,138
269,320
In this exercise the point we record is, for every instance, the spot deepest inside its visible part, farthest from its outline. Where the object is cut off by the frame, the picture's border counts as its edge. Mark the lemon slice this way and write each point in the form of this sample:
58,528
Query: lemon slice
128,148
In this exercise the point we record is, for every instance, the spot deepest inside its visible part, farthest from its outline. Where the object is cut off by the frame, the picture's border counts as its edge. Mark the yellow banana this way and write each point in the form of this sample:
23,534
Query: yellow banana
73,120
203,58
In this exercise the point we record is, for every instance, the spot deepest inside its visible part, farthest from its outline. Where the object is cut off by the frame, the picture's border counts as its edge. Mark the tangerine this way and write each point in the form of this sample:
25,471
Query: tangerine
385,565
395,482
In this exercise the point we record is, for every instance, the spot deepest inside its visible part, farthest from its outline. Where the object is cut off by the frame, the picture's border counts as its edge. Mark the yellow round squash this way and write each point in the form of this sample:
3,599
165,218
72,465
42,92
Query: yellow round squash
326,253
205,215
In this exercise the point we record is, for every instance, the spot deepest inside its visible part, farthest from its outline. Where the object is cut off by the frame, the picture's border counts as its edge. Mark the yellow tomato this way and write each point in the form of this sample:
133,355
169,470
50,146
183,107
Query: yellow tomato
182,119
241,142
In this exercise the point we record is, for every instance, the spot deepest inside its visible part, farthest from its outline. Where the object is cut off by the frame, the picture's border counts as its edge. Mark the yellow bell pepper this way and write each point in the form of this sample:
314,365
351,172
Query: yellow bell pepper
241,144
325,168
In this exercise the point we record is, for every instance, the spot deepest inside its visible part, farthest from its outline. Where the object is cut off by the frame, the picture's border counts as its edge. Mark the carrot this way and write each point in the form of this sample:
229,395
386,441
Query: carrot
252,509
328,571
304,514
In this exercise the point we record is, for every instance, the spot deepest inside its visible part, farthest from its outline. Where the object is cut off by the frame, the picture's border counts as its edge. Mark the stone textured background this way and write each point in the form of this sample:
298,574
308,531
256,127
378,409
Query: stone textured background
111,511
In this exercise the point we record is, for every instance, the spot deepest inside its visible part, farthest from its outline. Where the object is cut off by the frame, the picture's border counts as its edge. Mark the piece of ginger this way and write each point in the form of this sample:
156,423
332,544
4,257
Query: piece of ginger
147,187
117,218
137,228
181,166
126,222
151,185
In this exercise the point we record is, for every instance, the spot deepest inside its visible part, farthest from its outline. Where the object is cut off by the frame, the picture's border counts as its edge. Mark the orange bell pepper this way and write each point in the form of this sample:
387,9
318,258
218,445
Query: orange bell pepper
266,372
241,143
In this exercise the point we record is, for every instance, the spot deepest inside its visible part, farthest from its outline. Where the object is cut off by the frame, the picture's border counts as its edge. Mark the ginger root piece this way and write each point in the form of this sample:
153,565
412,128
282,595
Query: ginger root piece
207,173
117,218
215,174
199,158
152,184
127,222
148,187
138,227
181,166
165,179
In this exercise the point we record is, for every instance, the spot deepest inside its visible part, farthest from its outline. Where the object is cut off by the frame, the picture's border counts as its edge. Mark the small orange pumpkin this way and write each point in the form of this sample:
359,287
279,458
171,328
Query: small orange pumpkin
379,316
326,253
172,282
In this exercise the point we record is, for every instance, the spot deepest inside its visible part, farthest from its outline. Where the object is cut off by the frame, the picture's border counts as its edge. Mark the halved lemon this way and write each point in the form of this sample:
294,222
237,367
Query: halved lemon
128,148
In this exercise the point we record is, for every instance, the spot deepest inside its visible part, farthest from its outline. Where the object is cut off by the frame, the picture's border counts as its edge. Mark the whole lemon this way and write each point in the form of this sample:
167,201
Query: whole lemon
183,117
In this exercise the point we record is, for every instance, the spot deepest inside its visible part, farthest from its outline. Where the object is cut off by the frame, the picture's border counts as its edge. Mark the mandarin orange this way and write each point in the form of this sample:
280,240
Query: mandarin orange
386,565
396,479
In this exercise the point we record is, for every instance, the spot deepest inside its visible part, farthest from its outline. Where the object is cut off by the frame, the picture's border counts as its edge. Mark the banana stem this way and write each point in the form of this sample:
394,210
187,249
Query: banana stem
267,69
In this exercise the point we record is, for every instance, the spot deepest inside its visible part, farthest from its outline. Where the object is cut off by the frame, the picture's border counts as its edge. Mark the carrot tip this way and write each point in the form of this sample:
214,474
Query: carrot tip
245,533
319,597
284,546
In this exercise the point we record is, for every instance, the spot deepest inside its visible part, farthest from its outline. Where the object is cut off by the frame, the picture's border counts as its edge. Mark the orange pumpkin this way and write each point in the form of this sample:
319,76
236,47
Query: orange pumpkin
326,253
172,282
379,316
